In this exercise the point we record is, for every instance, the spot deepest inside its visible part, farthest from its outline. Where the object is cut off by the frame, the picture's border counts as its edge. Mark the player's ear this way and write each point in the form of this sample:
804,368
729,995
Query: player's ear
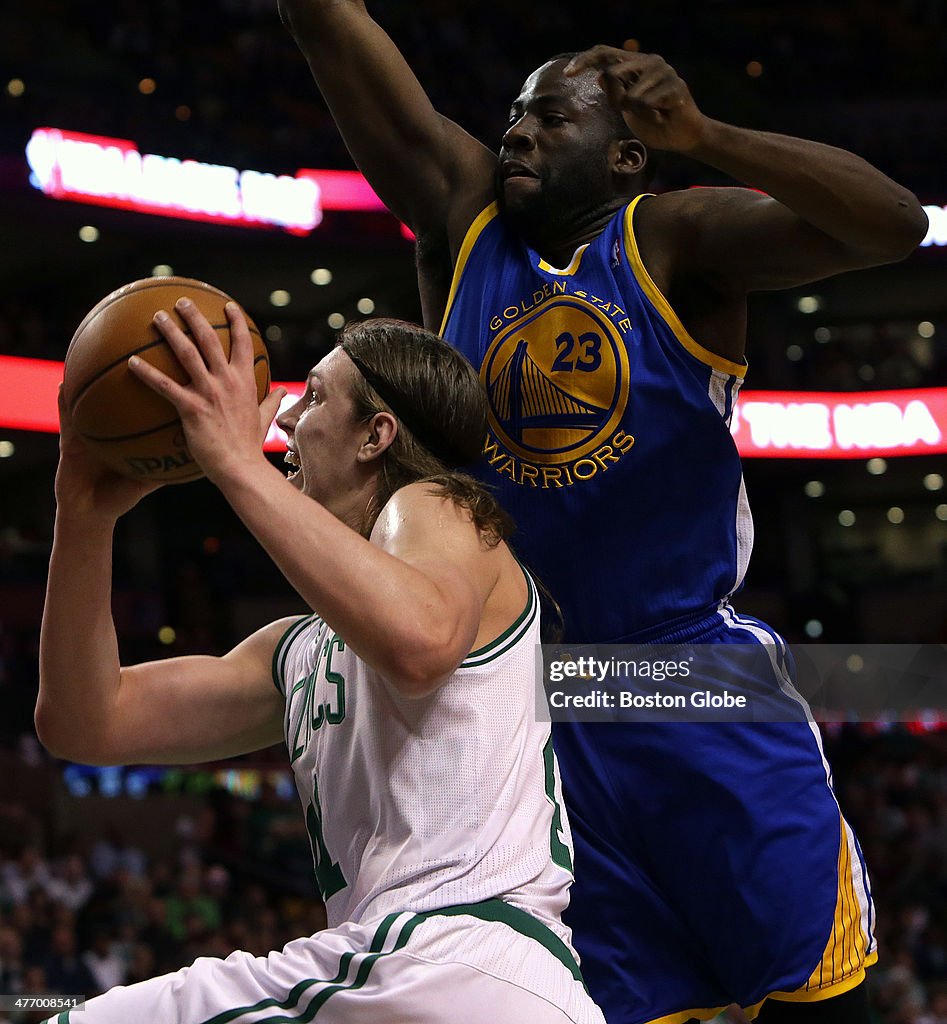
629,157
382,430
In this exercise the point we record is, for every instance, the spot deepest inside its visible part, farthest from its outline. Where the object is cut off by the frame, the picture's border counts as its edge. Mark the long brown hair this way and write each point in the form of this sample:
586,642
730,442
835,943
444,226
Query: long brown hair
441,409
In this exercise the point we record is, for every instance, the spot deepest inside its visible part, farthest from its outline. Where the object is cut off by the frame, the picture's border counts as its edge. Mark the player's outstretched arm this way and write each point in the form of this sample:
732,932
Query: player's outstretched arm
89,708
824,210
426,169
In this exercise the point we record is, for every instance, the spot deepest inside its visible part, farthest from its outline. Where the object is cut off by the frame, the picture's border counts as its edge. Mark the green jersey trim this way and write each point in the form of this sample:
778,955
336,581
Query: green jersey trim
510,636
282,650
493,910
520,921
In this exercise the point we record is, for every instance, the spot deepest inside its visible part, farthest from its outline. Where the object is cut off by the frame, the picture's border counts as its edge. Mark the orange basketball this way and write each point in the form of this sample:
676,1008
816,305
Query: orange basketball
122,420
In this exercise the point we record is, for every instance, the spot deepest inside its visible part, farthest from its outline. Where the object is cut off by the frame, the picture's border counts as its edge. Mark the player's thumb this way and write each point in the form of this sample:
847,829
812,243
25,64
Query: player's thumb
269,407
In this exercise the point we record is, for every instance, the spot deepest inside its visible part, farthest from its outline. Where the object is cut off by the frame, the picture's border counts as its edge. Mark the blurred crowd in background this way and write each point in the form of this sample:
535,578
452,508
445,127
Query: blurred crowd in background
78,916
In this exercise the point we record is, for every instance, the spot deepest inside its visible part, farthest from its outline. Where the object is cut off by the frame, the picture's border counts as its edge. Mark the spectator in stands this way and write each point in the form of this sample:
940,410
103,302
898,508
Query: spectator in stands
112,852
70,884
104,962
27,872
11,961
66,973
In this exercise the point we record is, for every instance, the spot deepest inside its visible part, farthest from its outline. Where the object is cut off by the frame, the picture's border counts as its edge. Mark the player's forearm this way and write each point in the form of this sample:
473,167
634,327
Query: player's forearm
420,164
307,19
835,191
389,612
79,670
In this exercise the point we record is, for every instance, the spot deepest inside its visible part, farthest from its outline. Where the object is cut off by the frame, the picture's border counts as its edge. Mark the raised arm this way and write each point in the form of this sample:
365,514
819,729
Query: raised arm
426,169
89,708
825,210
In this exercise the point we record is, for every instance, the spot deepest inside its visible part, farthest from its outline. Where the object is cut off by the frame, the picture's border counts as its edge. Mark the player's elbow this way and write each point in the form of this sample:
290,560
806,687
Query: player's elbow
423,663
304,18
44,721
906,229
420,675
68,740
917,224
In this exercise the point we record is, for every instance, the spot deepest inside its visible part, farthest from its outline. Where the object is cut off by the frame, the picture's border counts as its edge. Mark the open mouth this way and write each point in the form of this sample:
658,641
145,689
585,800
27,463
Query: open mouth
514,170
292,459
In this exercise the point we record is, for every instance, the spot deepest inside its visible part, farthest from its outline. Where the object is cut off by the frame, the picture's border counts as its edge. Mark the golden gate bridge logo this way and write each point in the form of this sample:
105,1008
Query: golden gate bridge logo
557,380
524,397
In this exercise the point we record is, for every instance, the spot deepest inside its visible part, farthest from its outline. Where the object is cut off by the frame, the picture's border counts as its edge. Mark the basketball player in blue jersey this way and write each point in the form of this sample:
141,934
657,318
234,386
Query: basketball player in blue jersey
713,864
406,700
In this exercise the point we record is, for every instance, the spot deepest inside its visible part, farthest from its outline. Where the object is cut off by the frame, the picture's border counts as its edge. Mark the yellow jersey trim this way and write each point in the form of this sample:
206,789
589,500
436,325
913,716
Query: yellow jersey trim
473,233
685,1015
573,266
817,994
842,965
663,307
813,996
845,951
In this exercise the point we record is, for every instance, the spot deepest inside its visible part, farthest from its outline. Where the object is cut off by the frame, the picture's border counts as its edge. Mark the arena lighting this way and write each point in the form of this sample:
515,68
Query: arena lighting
936,225
112,172
841,425
766,424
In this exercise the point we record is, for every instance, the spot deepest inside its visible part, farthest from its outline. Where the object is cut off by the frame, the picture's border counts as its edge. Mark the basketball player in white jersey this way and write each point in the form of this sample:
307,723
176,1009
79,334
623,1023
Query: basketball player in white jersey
406,699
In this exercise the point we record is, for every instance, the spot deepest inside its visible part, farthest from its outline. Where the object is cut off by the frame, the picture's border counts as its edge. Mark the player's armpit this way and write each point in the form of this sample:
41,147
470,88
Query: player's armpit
196,708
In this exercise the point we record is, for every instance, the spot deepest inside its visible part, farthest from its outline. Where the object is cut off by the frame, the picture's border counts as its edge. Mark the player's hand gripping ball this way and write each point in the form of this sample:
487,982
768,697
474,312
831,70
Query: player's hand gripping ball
129,426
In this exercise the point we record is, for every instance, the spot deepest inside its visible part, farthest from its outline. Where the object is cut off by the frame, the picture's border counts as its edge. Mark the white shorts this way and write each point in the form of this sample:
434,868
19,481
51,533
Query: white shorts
487,963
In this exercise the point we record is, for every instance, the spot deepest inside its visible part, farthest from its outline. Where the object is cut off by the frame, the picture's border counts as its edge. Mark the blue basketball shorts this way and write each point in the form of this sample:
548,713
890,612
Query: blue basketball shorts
713,865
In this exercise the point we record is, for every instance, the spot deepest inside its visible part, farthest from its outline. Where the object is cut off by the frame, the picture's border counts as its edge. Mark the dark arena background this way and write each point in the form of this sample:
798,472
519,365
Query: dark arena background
113,875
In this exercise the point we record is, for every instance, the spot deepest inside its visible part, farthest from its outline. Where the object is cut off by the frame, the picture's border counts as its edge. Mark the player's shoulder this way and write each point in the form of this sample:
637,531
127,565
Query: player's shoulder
677,229
690,207
421,507
263,644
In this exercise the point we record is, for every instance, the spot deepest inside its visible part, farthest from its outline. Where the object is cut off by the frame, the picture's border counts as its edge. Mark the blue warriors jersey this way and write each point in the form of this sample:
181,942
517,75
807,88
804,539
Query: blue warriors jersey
609,430
610,445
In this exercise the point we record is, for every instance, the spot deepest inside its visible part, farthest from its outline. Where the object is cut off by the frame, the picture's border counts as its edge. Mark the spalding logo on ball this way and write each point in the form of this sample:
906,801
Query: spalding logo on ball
121,419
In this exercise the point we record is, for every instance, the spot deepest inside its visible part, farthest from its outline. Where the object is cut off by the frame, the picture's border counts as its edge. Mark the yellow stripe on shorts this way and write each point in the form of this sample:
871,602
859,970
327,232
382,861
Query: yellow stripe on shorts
843,963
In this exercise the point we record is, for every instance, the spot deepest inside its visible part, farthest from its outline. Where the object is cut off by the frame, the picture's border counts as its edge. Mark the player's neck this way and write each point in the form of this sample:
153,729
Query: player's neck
357,506
557,243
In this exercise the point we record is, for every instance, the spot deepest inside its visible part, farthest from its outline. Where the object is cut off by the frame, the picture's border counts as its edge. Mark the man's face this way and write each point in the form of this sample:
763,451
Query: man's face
324,434
554,155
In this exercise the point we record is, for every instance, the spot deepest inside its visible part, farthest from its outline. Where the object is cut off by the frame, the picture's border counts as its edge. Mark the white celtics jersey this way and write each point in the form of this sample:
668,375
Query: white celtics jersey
418,804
